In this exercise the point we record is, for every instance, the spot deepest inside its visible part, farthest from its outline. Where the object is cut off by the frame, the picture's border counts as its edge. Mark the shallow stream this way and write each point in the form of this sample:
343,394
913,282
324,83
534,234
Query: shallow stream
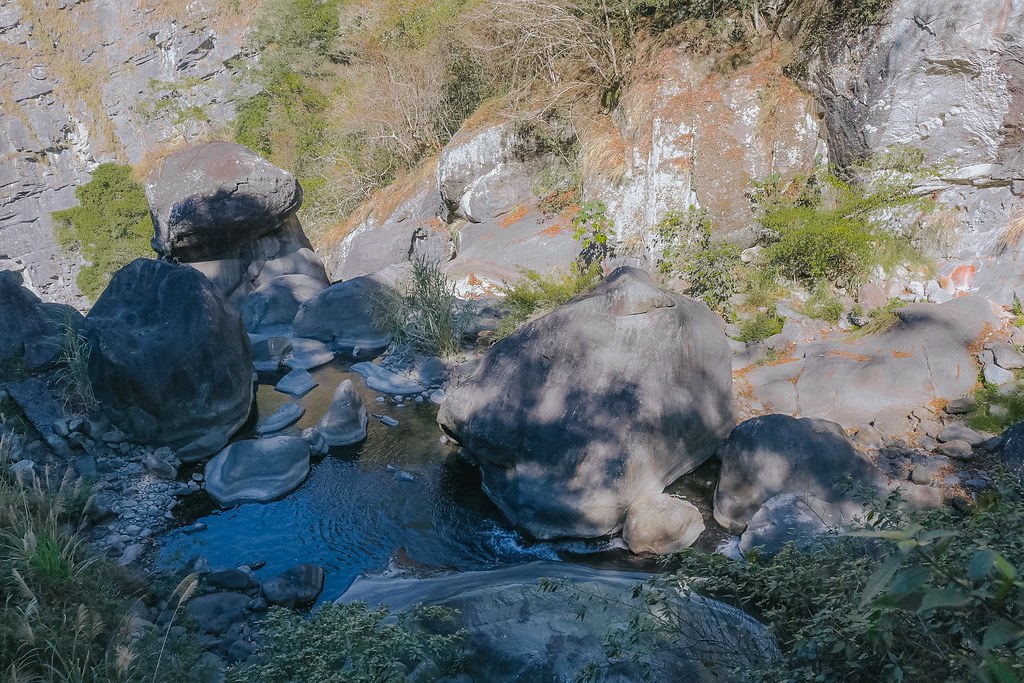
401,497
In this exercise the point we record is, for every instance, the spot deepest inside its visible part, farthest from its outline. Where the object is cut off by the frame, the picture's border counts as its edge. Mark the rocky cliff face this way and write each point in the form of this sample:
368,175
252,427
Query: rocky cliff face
945,78
94,81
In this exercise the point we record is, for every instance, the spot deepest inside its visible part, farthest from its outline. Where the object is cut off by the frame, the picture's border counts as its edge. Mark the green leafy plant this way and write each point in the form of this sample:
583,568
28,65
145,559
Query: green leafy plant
351,643
823,304
110,228
592,228
689,252
761,326
425,314
998,407
534,294
910,596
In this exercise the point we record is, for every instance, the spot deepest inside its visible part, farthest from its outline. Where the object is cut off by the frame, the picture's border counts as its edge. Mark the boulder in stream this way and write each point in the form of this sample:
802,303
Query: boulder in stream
258,470
346,418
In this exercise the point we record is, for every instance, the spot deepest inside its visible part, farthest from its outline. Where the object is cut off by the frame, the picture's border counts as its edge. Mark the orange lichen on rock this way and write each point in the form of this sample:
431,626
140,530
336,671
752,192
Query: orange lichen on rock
514,215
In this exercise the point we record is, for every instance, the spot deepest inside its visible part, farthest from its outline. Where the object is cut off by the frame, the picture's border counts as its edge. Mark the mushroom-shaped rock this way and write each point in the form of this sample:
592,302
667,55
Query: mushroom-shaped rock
774,454
257,470
612,395
343,317
210,198
345,421
661,524
169,362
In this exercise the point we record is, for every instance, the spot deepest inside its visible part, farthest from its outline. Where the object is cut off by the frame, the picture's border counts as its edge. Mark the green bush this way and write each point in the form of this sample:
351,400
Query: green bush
592,228
351,644
707,267
110,228
425,315
823,304
998,408
535,294
761,326
929,596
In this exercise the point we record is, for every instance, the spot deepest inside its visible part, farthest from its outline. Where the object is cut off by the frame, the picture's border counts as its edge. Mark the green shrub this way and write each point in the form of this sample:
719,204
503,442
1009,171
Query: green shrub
592,229
881,319
707,267
352,644
73,383
535,294
998,408
110,228
425,314
929,596
822,228
761,326
823,304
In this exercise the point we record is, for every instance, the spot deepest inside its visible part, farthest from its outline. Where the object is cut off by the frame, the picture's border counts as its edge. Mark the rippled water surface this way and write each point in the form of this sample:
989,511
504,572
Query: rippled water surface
401,488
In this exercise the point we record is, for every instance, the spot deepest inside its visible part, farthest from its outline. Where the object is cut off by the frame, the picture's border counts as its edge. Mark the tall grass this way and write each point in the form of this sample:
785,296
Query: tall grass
535,294
424,314
65,612
73,381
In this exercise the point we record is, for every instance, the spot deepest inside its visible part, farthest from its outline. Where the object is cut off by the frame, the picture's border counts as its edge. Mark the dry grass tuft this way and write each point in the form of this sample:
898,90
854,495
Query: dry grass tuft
602,149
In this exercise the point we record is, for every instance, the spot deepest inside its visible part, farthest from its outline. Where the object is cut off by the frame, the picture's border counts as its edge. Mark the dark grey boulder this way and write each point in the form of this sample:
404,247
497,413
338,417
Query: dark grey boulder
1012,453
514,631
782,519
345,421
210,198
925,357
169,363
216,613
32,333
299,586
306,354
297,383
576,414
272,307
257,470
343,316
774,454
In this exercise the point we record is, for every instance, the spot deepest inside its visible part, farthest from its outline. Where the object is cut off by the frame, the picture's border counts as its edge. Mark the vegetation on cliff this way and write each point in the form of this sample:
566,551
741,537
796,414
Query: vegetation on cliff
110,228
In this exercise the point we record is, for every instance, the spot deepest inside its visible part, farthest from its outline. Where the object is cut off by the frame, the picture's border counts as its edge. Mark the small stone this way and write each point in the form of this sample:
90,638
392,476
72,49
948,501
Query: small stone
387,420
961,432
297,587
258,605
194,528
868,437
961,406
159,468
131,554
398,399
956,449
996,375
1007,356
296,383
437,397
24,472
60,427
230,579
196,476
921,476
113,437
927,443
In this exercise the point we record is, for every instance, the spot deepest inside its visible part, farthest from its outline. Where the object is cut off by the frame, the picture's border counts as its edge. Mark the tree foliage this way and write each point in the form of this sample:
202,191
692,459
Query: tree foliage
110,228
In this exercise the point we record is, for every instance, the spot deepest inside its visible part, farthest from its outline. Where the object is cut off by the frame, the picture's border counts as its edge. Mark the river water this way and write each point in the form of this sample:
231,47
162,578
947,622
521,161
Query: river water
402,493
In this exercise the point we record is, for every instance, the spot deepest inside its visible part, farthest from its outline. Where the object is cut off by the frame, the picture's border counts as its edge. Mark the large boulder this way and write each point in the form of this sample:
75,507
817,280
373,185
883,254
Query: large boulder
230,214
343,317
210,198
661,524
612,395
169,362
514,631
926,357
258,470
774,454
32,333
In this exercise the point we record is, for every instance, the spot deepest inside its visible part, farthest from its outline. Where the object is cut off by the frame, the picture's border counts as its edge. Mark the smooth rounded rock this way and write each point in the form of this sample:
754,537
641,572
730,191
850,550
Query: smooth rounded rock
661,524
297,383
273,306
169,363
576,414
299,586
343,316
257,470
306,354
280,418
346,418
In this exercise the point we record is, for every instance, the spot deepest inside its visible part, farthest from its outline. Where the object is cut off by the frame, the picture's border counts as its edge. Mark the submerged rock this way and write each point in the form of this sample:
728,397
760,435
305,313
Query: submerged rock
346,418
298,383
169,363
576,414
299,586
257,470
